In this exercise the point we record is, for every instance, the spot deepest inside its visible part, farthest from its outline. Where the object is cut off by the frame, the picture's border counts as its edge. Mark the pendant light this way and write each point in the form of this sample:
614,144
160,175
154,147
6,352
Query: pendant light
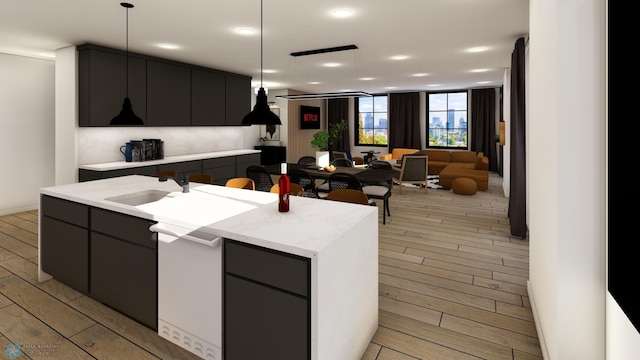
261,114
126,116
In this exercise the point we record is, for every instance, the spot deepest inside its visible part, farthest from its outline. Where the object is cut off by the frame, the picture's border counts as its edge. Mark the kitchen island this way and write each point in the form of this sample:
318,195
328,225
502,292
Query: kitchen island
337,240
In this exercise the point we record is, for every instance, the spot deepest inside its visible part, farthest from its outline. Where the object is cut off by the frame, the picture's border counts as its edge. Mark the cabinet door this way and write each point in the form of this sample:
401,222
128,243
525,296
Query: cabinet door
184,168
103,85
238,99
244,161
168,94
207,97
124,277
267,306
150,170
222,169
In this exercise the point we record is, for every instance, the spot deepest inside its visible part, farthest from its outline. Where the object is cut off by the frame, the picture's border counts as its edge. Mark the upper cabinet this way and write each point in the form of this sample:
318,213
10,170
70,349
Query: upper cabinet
208,97
168,94
103,85
162,92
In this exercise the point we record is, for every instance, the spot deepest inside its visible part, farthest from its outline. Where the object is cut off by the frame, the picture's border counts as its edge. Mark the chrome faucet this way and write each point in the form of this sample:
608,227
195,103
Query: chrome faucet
184,183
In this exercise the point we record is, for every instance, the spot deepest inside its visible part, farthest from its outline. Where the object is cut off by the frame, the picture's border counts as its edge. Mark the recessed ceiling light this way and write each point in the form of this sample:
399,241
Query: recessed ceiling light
479,70
48,55
390,87
168,46
420,74
332,64
366,78
342,13
483,82
478,49
399,57
314,82
246,31
434,85
269,71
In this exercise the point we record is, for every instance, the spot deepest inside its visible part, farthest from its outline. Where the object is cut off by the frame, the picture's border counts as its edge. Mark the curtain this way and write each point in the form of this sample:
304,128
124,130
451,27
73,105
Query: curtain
517,198
483,108
337,110
404,120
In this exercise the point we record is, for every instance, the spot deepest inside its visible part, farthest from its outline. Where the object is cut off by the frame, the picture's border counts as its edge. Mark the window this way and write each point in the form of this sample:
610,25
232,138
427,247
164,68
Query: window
447,120
372,127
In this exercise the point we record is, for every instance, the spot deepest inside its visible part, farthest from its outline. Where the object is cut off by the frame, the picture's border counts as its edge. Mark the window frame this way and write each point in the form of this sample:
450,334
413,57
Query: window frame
356,133
464,131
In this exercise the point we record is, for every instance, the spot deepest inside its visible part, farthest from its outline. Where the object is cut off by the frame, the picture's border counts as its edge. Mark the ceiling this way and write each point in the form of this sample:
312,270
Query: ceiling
434,35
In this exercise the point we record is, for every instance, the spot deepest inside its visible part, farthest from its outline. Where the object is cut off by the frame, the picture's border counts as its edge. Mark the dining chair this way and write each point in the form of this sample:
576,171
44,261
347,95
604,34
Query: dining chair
413,171
380,191
348,195
344,162
261,178
201,178
294,189
307,160
303,178
241,183
340,180
340,155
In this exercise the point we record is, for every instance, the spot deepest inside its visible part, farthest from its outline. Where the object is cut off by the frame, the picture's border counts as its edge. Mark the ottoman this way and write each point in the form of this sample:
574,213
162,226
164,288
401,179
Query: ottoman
464,186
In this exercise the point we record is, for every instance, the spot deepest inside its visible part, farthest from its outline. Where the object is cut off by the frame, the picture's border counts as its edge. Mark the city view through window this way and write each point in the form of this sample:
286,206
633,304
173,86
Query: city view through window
447,120
373,125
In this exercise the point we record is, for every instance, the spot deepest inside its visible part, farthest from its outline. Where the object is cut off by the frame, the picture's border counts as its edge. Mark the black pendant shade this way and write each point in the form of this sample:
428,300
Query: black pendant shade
126,116
261,114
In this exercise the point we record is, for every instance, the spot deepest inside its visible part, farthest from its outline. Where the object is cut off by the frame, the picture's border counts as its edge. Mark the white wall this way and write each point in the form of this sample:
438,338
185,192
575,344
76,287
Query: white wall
565,177
26,128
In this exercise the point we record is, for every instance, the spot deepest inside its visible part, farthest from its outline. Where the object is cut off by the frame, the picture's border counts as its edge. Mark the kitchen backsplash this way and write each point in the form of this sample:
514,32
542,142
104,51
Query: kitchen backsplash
100,145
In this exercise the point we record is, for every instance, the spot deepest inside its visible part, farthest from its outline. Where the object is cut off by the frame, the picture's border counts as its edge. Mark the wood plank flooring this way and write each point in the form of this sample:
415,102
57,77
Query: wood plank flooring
452,285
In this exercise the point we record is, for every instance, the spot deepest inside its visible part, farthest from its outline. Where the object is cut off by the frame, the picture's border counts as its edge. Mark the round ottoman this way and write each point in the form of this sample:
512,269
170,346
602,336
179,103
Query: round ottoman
464,186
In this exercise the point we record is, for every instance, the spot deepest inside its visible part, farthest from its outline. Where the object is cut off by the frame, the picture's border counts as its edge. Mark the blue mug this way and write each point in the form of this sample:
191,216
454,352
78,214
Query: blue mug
127,152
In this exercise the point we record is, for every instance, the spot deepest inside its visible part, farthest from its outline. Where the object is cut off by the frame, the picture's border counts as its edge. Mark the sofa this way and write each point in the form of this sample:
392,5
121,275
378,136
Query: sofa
452,164
467,164
396,153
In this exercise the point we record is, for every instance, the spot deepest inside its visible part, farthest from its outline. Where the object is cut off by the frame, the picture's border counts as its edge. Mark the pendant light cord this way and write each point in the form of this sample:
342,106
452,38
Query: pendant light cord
126,70
261,56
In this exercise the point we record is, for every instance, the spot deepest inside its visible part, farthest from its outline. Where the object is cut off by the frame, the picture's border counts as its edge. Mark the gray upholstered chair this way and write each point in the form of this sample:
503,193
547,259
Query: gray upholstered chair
413,171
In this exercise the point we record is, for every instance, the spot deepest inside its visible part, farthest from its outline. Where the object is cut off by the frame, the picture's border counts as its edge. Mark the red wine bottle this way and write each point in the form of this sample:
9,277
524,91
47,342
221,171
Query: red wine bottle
283,184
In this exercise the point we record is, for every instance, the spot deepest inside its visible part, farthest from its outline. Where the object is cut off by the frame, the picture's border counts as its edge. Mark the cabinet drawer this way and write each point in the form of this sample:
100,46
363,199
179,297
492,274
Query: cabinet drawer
270,267
218,162
125,227
251,159
184,167
65,210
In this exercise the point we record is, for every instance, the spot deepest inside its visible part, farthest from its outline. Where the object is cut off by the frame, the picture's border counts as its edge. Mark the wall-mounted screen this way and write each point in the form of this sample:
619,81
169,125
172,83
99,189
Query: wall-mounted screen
309,117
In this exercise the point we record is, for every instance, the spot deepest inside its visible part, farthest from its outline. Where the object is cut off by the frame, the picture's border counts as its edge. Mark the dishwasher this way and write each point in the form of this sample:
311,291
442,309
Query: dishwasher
190,289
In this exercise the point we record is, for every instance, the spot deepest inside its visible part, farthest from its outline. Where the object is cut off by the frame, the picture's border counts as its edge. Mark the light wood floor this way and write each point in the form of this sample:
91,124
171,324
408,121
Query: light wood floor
452,286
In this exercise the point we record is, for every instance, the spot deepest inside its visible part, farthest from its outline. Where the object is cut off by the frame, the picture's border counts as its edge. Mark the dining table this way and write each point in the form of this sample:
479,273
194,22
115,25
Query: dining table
365,175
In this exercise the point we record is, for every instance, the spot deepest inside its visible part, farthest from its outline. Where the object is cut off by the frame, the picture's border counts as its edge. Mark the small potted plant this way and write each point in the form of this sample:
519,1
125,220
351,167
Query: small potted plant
324,139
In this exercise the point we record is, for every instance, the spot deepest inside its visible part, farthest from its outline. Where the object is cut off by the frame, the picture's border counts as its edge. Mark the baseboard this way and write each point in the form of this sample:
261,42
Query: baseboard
536,320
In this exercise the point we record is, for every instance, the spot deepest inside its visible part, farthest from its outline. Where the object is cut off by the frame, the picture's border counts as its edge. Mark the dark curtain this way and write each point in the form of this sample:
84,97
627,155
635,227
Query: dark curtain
404,121
483,130
517,198
338,109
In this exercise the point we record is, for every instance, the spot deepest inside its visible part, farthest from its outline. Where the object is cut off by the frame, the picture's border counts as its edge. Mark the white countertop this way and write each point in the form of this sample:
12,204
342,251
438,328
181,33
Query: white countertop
244,215
115,165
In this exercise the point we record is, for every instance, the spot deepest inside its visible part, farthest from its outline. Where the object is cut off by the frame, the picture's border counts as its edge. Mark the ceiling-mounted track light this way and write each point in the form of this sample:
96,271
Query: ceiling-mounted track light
261,114
317,96
127,116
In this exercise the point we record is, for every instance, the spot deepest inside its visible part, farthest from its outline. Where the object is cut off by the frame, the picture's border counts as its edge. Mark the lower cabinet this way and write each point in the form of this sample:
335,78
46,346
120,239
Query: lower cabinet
66,252
124,265
267,304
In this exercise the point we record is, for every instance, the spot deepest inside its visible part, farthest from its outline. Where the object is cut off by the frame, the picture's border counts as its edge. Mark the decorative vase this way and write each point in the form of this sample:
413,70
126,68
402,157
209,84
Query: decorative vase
322,158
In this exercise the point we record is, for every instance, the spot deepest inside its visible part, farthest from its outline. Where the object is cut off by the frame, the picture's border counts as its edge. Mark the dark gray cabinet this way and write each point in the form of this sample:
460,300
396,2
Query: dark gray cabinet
162,92
102,85
124,265
244,161
267,304
65,253
222,169
208,97
168,94
238,99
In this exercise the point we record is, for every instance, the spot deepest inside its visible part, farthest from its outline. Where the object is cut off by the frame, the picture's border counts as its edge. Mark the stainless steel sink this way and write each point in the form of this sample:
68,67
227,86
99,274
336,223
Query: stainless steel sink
140,197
